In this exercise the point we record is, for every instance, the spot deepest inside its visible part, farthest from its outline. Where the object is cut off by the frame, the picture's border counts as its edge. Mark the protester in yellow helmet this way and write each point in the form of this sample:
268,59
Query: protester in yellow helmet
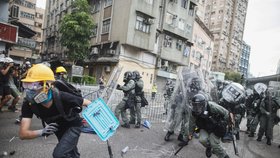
47,102
61,73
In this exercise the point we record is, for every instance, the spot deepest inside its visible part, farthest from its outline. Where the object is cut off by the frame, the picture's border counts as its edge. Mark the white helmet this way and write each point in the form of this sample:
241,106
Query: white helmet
9,60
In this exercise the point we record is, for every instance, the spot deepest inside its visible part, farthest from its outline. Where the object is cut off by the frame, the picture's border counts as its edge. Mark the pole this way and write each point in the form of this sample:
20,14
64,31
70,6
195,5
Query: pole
109,149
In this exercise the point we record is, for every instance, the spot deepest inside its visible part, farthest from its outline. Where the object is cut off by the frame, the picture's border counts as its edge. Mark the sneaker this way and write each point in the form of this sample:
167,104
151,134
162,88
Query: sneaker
137,125
208,152
18,120
126,125
167,136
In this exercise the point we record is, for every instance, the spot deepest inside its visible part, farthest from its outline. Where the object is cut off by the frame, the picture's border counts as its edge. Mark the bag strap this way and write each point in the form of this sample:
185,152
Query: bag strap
59,106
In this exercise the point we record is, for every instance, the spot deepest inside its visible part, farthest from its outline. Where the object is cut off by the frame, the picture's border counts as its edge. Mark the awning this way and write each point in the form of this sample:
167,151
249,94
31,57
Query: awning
23,30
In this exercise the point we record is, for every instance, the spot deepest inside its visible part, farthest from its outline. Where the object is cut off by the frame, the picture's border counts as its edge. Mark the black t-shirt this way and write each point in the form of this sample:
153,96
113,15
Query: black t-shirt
4,79
68,101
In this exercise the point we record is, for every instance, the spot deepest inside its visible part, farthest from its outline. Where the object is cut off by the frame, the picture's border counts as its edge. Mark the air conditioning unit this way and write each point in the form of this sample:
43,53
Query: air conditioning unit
151,21
94,50
113,52
175,16
165,63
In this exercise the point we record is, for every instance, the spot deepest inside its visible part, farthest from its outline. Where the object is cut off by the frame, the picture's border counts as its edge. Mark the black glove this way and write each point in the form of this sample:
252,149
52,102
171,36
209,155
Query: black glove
49,129
118,86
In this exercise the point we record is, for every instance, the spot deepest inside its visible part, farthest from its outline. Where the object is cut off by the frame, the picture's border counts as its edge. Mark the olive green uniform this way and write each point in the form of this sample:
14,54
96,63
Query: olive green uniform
207,123
126,102
135,112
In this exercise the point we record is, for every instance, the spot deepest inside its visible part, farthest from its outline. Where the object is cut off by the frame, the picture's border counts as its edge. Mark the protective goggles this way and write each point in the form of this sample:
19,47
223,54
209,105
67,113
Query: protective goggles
32,85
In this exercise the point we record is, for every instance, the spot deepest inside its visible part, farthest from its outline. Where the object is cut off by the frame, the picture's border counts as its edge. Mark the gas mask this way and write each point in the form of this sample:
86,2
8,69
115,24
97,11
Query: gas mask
35,92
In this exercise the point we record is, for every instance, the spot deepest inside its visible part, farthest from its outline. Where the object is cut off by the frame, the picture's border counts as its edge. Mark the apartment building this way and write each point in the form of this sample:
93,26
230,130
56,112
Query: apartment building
244,59
174,37
29,18
151,36
226,19
201,51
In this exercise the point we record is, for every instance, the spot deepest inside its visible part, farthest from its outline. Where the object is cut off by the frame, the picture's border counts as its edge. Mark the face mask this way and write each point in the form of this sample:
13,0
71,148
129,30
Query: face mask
30,94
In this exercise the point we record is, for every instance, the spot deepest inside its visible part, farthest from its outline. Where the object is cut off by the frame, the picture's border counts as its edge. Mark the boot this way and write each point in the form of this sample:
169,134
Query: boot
167,136
252,134
183,143
226,156
259,138
208,152
268,142
126,125
180,137
132,122
165,113
137,125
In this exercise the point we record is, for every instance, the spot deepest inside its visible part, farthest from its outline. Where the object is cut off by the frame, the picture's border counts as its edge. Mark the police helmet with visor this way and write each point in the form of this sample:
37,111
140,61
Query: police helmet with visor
127,76
199,104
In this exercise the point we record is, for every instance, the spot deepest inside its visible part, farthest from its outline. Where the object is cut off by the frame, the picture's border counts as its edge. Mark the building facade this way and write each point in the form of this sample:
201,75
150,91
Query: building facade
151,36
226,20
25,14
244,60
201,51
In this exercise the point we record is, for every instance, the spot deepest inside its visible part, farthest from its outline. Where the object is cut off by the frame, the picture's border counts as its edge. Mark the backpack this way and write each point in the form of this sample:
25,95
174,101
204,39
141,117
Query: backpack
67,87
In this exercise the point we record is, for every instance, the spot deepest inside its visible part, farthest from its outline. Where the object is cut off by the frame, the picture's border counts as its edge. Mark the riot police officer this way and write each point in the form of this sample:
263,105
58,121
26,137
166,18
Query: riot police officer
169,88
135,111
128,100
211,119
268,118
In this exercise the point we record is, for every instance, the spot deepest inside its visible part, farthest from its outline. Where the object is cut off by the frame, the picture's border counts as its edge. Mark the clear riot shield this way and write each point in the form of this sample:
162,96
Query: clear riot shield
188,83
233,93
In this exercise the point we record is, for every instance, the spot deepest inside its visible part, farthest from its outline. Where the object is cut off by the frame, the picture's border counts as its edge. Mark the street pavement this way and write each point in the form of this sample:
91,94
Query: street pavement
142,143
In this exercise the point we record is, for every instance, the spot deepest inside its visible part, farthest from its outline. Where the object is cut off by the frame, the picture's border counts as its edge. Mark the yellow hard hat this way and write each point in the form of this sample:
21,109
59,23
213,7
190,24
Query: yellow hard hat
60,69
39,72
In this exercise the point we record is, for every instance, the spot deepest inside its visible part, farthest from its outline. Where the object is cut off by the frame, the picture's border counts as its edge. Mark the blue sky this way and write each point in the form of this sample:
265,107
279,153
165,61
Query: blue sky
262,33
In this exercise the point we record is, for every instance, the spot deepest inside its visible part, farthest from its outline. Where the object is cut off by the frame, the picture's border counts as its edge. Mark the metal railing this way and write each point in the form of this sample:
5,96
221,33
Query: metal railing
153,112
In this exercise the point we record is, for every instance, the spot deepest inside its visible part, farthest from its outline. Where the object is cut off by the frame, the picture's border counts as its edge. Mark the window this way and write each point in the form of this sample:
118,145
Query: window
26,15
181,24
94,30
142,24
179,44
184,3
37,24
191,9
96,7
106,26
108,3
167,41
